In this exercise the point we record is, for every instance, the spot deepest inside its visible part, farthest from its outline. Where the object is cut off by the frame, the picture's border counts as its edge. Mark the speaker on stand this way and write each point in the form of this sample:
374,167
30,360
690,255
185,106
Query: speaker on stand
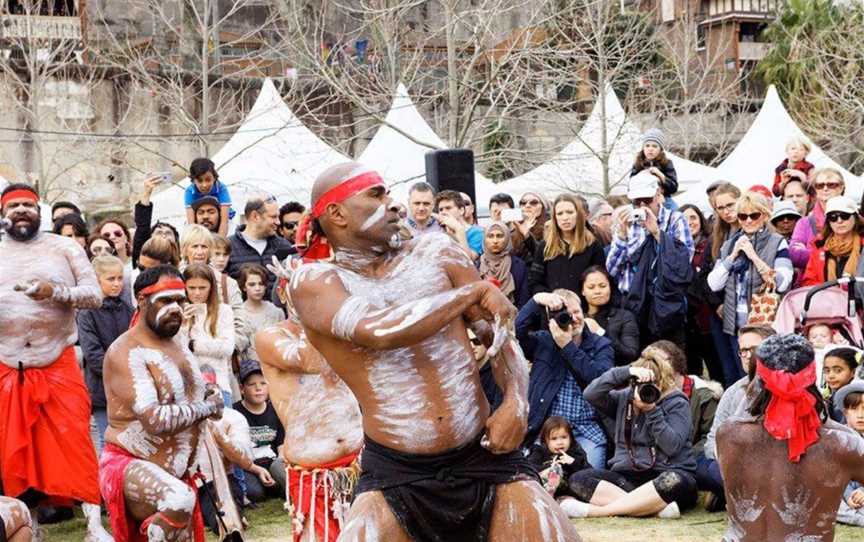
451,169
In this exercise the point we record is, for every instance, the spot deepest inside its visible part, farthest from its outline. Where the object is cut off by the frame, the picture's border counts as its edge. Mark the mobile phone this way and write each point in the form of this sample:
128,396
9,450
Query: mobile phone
200,310
511,215
165,176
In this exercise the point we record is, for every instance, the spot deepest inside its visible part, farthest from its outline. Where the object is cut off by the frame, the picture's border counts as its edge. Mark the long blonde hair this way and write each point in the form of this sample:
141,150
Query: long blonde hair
202,271
554,238
721,229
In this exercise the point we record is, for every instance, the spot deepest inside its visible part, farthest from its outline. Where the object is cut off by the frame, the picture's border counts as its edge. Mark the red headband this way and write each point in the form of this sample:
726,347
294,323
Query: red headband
791,414
21,193
345,190
162,285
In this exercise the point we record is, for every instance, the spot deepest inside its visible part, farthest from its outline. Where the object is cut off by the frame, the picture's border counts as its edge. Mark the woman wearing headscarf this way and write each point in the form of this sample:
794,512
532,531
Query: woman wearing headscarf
498,264
528,233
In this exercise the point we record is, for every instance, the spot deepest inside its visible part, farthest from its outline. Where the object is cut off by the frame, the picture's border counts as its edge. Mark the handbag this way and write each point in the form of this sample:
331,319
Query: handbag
763,305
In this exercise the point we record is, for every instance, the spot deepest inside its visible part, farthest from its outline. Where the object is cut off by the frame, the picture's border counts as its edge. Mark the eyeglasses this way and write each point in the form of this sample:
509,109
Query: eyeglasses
743,217
786,218
475,341
98,251
727,207
289,225
525,202
838,216
116,233
830,186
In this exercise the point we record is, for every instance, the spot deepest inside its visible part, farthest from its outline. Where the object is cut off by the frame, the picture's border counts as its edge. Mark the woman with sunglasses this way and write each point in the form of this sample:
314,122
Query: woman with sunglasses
753,256
837,251
529,232
827,183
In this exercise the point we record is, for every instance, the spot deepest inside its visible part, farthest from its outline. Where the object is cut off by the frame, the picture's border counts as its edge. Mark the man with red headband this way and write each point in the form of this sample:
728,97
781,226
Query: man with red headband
46,454
791,488
323,426
157,402
390,319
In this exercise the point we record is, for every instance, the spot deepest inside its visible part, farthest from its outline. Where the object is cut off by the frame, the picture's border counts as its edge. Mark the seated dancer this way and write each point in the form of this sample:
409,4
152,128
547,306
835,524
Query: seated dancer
797,444
157,402
46,453
15,524
390,319
323,428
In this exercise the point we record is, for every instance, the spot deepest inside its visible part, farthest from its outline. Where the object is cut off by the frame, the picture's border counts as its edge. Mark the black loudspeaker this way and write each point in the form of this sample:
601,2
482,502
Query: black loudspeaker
451,169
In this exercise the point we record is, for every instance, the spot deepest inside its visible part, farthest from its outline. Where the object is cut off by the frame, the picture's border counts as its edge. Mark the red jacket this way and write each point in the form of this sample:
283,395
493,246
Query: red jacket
814,273
803,165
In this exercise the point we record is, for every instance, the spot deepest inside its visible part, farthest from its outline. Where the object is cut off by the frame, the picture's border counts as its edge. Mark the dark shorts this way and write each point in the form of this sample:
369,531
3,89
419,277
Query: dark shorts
672,485
442,497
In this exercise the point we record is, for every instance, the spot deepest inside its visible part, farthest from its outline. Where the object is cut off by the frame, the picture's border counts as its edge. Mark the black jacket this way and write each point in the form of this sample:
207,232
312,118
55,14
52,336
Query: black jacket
142,215
623,330
562,271
670,185
242,253
97,329
541,457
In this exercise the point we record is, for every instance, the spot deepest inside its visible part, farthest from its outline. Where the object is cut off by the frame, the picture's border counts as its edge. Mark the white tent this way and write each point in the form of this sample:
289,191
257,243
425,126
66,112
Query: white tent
763,148
400,160
272,153
578,167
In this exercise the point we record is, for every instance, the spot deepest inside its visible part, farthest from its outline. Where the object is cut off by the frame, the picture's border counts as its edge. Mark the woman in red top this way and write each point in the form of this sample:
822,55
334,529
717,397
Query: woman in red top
837,251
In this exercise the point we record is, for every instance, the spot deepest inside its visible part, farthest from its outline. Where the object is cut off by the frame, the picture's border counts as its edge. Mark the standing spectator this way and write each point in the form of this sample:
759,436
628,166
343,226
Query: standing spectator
528,233
98,246
205,182
600,220
565,361
652,158
451,215
208,325
784,217
62,208
650,259
699,347
499,202
265,430
567,250
421,200
794,166
751,257
71,225
470,212
116,232
732,403
652,470
221,253
159,251
827,183
496,263
838,370
605,318
97,329
142,215
258,312
207,213
289,219
798,192
258,242
836,252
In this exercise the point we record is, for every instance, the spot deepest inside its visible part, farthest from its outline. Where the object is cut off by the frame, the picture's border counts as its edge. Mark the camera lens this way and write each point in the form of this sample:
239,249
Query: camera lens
648,393
563,318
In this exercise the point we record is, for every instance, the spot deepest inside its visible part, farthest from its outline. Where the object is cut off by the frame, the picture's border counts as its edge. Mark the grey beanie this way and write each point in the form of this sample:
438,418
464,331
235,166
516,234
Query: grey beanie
654,135
790,353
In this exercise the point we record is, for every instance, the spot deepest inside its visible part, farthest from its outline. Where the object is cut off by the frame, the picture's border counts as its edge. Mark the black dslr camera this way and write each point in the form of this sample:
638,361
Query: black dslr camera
562,317
648,392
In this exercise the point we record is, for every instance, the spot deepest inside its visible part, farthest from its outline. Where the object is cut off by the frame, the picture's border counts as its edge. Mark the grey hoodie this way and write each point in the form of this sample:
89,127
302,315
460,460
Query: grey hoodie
666,428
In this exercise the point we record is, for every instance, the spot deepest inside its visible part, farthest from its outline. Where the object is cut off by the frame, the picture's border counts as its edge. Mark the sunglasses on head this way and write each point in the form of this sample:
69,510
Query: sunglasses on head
289,225
838,216
529,202
742,217
834,185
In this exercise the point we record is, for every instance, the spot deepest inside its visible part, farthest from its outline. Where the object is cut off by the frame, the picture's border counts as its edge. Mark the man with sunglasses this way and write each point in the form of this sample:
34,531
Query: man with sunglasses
650,259
289,218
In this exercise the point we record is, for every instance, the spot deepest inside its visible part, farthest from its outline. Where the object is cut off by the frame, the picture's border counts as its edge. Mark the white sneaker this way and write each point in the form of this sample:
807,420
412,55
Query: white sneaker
670,512
574,508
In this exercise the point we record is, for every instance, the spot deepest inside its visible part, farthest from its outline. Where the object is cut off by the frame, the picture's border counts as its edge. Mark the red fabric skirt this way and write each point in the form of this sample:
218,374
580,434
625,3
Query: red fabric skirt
303,496
45,431
112,471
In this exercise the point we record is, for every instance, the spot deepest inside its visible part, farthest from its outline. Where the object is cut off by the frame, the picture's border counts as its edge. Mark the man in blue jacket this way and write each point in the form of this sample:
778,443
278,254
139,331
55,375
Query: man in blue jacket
564,361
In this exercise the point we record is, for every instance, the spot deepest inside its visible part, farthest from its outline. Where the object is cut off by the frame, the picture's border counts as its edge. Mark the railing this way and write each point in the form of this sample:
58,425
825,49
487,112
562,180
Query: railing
718,8
29,27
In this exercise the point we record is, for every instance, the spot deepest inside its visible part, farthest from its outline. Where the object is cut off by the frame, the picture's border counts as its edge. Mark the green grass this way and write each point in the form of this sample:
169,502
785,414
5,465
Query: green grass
270,524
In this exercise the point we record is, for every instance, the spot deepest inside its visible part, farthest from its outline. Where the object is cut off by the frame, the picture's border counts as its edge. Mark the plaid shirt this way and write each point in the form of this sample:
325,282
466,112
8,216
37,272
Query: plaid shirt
622,251
572,406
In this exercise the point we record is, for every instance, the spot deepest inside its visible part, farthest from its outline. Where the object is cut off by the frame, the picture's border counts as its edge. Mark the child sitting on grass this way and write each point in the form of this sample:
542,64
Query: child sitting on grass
557,456
850,399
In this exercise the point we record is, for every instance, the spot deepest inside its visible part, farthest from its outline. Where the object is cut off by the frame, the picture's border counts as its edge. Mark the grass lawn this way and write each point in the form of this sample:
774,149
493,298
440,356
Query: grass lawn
269,524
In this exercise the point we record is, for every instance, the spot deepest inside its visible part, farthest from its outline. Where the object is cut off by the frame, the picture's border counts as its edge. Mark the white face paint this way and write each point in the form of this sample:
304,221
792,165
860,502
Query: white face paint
375,217
168,310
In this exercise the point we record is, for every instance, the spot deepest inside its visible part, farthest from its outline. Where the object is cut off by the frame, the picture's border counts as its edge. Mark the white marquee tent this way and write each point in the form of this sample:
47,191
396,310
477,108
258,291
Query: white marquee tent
577,167
272,153
763,147
402,161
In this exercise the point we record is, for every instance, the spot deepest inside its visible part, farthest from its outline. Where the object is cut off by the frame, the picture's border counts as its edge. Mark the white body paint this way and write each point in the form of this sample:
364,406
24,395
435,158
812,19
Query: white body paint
375,217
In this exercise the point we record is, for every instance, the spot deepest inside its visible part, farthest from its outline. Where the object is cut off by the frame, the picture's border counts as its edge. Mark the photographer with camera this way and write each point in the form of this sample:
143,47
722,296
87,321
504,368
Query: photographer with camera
652,470
566,357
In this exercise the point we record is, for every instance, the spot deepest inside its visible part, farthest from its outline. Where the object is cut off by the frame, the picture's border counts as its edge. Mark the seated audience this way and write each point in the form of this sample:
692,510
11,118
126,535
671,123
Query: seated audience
850,399
604,317
499,265
557,456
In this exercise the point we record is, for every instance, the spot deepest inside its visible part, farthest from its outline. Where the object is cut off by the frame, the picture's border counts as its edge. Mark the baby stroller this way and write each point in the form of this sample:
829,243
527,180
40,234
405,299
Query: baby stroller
828,303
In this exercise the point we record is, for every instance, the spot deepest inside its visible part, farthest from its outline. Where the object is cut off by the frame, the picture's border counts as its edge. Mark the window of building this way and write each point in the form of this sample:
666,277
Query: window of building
667,10
56,8
701,31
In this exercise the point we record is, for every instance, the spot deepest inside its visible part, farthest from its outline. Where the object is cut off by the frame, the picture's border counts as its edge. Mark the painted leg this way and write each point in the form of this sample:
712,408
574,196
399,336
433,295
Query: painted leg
16,518
95,531
524,511
606,493
164,501
370,520
642,501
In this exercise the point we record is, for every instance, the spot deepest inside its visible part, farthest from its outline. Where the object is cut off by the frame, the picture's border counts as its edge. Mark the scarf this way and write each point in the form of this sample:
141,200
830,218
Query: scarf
496,267
791,413
842,247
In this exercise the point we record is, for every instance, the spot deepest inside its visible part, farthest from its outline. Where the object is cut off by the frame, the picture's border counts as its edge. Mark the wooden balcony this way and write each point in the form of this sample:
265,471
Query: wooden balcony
40,27
716,11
